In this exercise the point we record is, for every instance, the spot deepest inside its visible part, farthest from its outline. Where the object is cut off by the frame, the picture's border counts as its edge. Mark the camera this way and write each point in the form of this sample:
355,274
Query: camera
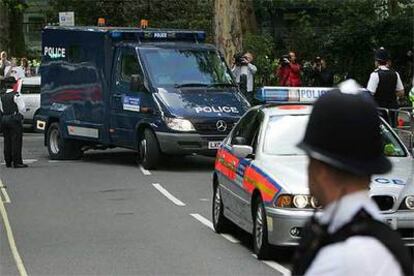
240,59
284,60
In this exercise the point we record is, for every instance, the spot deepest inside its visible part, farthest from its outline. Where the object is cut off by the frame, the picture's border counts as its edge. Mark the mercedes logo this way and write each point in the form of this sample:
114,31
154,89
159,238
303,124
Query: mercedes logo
221,126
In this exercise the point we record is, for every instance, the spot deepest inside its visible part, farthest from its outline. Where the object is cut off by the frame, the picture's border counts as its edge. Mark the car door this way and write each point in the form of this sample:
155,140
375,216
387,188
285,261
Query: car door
31,97
126,104
234,195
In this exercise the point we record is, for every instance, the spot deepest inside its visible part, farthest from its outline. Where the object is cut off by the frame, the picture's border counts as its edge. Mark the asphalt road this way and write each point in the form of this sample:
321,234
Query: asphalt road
104,215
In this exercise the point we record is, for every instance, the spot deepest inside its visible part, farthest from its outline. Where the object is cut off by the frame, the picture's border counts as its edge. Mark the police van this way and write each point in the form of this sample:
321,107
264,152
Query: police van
156,91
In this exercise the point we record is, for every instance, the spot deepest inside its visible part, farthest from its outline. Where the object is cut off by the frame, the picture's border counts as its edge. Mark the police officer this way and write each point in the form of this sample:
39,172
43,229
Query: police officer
12,106
385,84
345,148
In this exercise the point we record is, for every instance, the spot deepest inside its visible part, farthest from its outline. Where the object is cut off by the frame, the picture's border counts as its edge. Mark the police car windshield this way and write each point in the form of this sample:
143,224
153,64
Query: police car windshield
284,132
186,67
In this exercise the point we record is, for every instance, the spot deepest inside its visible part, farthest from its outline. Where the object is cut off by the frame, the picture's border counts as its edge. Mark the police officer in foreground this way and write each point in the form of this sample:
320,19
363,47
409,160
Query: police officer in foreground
385,84
11,107
345,149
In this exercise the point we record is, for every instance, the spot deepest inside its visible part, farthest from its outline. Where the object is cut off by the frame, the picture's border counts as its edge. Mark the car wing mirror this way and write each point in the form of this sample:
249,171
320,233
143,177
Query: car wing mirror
242,151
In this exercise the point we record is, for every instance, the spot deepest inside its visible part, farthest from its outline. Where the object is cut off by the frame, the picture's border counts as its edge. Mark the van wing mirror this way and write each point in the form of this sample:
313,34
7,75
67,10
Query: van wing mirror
242,151
239,140
137,83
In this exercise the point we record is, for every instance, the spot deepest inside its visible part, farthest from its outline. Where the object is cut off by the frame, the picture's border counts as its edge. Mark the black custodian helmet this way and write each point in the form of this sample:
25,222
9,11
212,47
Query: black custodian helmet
344,132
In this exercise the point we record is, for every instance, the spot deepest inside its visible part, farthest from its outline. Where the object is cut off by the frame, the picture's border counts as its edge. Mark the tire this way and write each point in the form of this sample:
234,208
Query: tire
149,150
261,245
220,222
60,148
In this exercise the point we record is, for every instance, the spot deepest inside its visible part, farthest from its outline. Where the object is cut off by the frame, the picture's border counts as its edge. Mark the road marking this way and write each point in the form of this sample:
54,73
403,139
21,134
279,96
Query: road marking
276,266
203,220
209,224
4,192
28,161
167,194
144,171
12,243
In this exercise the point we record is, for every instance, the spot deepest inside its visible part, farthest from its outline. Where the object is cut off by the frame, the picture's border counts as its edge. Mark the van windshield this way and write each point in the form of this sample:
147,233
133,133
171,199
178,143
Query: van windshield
179,67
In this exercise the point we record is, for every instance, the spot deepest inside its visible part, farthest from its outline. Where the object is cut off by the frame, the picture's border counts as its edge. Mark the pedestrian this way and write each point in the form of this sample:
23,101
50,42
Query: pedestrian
289,71
11,107
243,70
3,63
322,75
24,64
349,237
385,85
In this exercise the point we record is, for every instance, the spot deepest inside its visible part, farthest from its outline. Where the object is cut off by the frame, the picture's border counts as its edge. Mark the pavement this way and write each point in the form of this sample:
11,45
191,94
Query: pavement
105,215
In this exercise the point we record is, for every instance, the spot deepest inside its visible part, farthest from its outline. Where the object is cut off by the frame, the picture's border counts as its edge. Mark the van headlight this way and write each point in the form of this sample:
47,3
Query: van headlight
179,124
409,202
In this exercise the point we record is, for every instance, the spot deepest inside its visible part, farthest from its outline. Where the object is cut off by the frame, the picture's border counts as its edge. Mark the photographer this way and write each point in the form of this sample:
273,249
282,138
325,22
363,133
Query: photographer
288,72
322,76
243,70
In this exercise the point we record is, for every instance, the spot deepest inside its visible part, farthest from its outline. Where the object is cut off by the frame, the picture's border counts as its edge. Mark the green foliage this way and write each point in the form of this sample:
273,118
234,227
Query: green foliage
344,32
183,14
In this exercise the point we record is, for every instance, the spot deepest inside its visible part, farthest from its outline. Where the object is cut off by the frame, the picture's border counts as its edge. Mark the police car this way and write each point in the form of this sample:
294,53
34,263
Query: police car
260,177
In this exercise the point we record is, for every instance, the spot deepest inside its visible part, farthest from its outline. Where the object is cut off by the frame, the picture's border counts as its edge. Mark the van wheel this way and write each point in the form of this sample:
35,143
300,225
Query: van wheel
261,245
149,150
59,148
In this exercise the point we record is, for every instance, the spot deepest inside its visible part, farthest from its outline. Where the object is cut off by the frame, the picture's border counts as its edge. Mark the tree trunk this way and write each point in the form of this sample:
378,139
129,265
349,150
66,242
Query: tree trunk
248,17
4,28
17,48
227,27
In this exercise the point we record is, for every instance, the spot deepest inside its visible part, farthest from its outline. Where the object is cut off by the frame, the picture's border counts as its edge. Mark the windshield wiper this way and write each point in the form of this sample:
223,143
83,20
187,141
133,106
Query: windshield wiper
190,84
222,84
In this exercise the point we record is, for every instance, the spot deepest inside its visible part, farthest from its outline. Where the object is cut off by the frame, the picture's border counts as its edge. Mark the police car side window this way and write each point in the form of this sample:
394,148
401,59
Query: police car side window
246,129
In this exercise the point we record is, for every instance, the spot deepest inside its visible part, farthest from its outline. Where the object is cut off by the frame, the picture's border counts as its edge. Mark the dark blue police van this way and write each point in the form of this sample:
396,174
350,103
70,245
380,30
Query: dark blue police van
152,90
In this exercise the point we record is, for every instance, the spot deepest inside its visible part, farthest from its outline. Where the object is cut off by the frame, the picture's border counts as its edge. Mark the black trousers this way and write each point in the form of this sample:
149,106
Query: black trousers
13,140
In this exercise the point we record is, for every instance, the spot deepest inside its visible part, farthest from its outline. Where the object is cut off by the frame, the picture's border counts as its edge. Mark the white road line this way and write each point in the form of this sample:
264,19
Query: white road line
144,171
276,266
12,243
167,194
203,220
28,161
209,224
4,192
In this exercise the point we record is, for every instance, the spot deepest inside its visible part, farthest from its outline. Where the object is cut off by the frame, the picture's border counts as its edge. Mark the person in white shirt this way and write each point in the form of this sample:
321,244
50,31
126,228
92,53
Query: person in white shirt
243,67
385,84
11,107
348,238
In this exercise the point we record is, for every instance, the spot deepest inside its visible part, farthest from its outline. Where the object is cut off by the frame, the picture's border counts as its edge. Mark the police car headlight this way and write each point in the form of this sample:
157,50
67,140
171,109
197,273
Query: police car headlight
300,201
179,124
409,202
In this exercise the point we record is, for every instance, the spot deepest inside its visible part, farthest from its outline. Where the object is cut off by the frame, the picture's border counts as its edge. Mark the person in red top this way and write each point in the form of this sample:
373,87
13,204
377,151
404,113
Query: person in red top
288,73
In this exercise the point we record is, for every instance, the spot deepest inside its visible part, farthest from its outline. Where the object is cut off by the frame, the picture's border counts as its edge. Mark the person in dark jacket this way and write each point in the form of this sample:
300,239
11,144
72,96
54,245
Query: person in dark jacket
11,107
322,75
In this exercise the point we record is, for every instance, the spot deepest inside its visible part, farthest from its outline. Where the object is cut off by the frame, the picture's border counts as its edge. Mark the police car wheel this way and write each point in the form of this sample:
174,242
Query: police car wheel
220,222
59,148
149,150
260,242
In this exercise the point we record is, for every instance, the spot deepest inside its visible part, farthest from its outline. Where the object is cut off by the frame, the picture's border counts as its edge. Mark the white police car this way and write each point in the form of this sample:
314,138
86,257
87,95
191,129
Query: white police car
260,179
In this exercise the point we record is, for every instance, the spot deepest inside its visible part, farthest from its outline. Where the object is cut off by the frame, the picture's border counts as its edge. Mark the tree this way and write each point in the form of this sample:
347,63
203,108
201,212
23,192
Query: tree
11,25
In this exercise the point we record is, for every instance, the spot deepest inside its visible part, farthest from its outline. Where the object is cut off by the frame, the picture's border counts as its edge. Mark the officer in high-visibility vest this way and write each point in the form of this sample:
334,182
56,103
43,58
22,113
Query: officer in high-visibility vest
345,148
11,107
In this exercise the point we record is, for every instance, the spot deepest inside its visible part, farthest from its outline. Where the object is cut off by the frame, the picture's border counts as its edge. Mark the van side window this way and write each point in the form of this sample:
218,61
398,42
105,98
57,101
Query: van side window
129,66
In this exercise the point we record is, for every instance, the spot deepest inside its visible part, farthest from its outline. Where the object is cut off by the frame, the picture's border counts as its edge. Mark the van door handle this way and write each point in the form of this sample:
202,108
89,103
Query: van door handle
117,96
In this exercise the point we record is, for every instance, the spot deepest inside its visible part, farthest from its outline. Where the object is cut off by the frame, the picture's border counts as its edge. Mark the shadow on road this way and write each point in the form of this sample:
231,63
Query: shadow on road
169,163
